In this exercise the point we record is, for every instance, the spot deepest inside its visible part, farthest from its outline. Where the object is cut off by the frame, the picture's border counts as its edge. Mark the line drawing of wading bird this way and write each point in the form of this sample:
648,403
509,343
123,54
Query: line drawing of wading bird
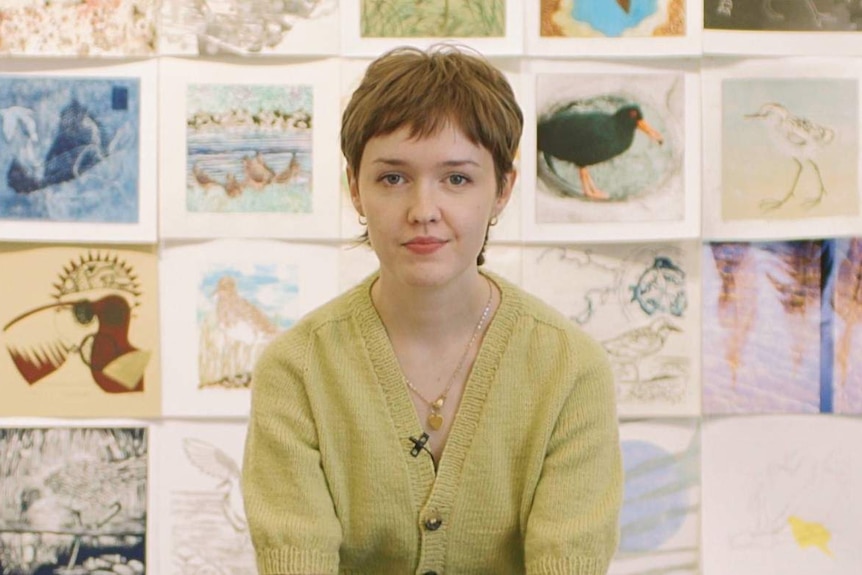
586,138
796,137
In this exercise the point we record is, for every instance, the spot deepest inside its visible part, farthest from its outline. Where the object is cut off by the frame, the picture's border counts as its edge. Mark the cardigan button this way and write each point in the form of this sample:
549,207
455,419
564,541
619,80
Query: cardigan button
433,523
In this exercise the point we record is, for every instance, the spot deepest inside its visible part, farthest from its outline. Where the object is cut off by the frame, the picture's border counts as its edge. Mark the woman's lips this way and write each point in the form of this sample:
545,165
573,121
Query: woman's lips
424,245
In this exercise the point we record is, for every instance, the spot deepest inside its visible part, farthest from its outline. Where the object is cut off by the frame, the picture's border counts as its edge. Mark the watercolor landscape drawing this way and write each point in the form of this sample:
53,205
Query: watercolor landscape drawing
249,148
70,149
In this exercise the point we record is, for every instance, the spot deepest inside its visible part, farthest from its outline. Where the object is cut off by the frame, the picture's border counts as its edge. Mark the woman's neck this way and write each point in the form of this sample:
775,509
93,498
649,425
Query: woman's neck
429,313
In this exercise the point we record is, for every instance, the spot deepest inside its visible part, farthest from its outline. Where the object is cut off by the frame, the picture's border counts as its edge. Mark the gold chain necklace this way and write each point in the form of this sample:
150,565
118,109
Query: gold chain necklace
435,418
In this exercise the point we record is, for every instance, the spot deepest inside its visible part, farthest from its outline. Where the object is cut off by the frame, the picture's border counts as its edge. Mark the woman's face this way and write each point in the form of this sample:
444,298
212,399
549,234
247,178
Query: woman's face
428,203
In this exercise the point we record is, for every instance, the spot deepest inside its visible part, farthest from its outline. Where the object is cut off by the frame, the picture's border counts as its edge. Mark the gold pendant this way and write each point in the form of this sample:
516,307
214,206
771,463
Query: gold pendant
435,420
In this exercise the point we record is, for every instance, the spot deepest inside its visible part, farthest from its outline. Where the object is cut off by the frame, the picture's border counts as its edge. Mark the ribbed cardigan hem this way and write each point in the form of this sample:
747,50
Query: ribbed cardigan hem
567,566
288,560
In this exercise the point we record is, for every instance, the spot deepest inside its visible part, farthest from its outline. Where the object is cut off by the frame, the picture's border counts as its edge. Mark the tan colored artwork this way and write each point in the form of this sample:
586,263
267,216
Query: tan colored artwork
79,333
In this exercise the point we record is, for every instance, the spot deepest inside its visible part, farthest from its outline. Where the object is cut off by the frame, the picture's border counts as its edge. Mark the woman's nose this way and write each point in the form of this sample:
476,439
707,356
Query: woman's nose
424,205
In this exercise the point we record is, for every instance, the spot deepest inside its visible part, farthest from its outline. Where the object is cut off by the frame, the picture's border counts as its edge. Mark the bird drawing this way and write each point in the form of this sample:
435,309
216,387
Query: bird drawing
232,186
214,462
90,318
97,330
232,337
796,137
628,349
79,145
203,179
291,172
586,138
257,173
626,5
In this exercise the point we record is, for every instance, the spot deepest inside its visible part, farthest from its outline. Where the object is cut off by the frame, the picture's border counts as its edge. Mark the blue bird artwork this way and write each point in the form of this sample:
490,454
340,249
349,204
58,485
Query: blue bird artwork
73,152
613,18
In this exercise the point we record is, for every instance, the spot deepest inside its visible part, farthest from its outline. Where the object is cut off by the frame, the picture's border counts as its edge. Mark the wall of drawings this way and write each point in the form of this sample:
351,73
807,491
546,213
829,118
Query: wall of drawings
171,197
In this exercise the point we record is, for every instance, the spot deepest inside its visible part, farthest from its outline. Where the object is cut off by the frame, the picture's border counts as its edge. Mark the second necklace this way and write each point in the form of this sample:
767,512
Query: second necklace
435,418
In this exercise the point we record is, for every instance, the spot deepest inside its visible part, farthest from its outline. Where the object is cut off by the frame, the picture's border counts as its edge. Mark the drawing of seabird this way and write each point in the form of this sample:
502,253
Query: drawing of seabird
202,178
216,463
78,146
240,319
796,137
257,173
634,345
587,138
290,172
232,186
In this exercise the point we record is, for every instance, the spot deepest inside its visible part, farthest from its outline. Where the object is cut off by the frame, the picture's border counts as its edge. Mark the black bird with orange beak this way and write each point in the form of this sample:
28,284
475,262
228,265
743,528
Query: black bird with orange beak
586,138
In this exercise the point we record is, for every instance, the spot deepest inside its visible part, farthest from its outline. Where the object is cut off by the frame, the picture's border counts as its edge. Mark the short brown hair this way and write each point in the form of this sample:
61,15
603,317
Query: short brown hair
426,89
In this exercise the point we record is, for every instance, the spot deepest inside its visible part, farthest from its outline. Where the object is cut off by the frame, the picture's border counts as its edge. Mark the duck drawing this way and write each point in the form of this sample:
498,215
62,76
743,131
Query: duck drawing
214,462
232,186
203,179
79,145
586,138
796,137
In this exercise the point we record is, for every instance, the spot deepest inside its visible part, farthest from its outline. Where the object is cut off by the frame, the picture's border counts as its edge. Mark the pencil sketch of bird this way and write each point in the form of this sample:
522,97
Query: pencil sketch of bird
589,137
628,349
216,463
257,173
798,138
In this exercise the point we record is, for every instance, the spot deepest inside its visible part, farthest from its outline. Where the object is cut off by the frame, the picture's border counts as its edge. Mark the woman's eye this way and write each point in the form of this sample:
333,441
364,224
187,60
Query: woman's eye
458,179
392,179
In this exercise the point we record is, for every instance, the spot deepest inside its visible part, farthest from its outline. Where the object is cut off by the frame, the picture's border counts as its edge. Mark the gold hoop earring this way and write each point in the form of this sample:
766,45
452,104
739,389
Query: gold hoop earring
363,221
493,221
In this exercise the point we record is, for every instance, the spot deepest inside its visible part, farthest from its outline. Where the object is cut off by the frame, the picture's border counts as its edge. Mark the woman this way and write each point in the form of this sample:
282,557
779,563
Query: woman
435,418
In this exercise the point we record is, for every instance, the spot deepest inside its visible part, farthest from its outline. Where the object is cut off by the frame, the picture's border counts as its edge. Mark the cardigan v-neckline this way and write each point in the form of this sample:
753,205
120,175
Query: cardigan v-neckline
405,419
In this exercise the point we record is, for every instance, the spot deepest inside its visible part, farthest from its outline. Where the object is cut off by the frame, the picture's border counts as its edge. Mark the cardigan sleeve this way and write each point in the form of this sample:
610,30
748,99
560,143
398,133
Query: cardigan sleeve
291,516
573,526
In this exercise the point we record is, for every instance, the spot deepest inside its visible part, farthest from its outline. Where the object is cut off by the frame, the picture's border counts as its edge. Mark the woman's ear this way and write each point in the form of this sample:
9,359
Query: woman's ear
353,186
505,192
